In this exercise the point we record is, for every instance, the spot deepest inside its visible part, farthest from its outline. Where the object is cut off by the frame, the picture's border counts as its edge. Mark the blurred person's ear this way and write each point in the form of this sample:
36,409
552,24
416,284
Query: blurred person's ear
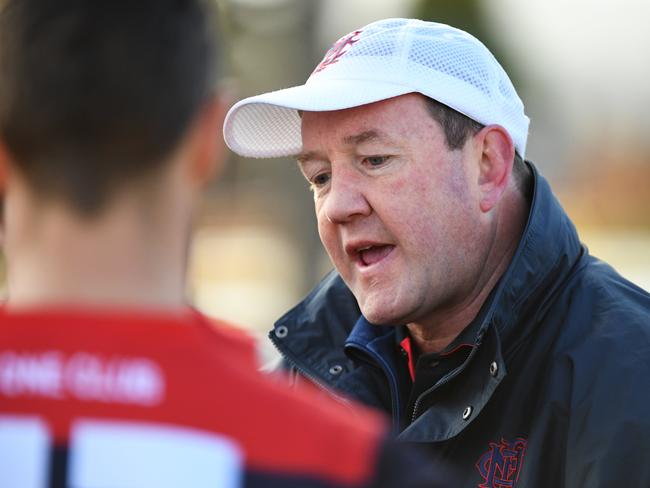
5,162
4,170
204,143
496,160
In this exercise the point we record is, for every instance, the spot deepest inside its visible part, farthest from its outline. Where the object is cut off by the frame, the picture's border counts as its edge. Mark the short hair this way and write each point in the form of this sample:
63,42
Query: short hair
458,128
95,94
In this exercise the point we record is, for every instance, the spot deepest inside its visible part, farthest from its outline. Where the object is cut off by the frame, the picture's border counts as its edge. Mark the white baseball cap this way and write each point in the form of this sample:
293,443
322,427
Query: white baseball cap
382,60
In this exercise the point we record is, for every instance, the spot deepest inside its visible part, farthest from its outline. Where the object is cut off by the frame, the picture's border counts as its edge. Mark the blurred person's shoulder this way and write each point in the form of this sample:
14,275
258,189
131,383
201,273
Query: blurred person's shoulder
205,377
232,339
317,435
322,436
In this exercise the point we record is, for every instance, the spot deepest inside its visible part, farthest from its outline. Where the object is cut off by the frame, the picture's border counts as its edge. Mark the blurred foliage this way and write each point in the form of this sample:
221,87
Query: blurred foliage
464,14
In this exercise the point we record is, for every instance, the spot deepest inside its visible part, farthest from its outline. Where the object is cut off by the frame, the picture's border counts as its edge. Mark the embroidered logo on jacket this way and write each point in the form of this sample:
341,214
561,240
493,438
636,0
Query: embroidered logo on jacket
339,48
500,466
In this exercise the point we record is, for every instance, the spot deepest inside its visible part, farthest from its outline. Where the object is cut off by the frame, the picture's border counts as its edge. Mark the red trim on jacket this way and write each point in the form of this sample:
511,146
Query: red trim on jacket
406,346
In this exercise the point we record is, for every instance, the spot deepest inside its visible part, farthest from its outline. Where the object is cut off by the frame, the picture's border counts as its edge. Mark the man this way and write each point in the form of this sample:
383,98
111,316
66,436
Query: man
108,127
464,304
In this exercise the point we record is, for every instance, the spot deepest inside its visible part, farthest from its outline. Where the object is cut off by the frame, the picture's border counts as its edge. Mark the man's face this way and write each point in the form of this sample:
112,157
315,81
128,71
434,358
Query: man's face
397,211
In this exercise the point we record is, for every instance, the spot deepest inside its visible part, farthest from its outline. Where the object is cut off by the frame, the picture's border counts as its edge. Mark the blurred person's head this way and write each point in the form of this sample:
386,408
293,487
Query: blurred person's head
108,129
409,134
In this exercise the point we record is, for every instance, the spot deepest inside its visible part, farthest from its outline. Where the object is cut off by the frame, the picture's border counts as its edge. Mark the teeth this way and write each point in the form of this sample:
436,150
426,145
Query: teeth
363,248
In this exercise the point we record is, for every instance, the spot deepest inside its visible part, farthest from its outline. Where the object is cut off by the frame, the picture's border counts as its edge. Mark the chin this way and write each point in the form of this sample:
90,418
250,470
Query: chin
381,317
375,307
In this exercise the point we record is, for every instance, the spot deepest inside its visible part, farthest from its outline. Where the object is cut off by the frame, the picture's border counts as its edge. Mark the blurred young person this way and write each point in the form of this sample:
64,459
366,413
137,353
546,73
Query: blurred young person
108,133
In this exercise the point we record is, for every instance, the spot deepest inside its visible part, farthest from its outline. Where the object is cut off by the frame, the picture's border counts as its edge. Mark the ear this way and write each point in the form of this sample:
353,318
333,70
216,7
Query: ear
205,142
496,160
5,163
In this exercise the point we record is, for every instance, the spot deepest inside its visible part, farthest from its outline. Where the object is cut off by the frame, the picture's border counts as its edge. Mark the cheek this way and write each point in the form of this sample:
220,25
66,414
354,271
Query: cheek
328,236
429,223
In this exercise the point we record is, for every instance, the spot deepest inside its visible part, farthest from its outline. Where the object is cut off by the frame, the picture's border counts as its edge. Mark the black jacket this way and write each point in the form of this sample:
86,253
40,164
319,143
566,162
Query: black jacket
554,390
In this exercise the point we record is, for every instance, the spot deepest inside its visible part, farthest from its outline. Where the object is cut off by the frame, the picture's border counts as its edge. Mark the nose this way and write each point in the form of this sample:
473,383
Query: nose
346,199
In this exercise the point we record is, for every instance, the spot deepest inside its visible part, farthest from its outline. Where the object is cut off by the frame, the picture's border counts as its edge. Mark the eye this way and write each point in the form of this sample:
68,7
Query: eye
320,180
374,161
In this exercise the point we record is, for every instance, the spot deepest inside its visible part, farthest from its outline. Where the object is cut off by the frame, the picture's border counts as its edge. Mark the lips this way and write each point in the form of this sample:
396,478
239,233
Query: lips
373,254
369,255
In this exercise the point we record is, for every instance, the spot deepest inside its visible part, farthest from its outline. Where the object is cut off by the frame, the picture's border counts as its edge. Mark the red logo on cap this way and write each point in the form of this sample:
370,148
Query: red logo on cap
339,48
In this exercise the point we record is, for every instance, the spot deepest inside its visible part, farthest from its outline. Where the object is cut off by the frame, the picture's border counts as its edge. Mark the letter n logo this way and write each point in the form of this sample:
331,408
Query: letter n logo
500,466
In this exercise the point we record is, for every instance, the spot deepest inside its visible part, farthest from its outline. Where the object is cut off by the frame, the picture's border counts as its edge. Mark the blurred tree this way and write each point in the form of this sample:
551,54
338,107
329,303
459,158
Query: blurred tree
270,45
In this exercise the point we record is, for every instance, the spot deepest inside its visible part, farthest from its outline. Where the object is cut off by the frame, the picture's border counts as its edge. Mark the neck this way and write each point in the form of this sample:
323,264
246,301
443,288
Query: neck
126,258
437,332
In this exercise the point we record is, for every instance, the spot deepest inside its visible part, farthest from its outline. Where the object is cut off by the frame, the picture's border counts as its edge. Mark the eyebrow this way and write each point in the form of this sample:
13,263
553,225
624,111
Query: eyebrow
362,137
352,140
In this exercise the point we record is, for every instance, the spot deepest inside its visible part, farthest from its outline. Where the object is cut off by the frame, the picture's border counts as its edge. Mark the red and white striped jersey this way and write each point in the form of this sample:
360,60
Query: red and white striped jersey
91,399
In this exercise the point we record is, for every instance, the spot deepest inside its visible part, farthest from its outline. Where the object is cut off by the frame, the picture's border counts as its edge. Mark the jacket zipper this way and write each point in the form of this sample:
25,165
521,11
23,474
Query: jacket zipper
444,380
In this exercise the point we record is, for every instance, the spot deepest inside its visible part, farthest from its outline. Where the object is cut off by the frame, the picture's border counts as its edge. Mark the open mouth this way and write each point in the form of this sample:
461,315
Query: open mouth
370,255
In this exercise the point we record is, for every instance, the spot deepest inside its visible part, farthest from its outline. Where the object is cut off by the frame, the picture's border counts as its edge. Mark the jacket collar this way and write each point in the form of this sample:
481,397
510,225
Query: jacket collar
311,336
546,254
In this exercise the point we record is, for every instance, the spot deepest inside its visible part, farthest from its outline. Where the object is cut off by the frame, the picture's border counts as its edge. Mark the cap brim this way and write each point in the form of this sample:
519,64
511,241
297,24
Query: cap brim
268,125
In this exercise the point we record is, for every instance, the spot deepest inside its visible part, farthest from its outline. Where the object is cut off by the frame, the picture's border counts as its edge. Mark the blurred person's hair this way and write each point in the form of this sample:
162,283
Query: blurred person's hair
458,128
95,94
